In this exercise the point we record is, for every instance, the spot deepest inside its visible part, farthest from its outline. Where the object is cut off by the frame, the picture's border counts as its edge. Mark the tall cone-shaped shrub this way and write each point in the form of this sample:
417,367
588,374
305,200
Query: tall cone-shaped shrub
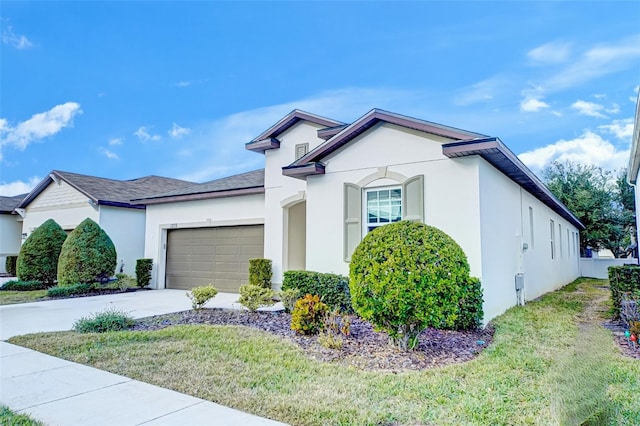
88,255
38,258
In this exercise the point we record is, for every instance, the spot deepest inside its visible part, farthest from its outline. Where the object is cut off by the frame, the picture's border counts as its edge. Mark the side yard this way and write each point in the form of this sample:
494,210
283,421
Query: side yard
550,362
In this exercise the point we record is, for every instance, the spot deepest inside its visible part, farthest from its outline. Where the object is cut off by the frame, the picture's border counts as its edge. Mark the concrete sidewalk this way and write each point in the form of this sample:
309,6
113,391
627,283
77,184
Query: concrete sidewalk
59,392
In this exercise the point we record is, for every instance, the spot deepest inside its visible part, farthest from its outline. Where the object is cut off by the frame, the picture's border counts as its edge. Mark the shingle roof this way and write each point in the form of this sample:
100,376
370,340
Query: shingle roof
8,204
243,183
110,191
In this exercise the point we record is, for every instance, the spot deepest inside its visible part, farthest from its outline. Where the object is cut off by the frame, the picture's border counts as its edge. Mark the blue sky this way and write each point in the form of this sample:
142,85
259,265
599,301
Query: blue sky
128,89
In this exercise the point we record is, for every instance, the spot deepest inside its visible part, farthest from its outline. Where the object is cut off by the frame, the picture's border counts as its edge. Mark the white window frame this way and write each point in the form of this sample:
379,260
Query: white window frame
365,207
552,227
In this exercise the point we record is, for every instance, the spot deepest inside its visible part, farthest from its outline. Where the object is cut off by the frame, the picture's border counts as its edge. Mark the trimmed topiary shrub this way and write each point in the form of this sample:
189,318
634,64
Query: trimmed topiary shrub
308,315
253,297
102,322
38,258
10,265
17,285
143,272
333,289
623,280
260,272
88,255
201,295
407,276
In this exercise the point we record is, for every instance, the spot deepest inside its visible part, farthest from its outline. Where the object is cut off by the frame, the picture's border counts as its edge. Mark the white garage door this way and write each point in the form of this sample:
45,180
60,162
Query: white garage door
218,256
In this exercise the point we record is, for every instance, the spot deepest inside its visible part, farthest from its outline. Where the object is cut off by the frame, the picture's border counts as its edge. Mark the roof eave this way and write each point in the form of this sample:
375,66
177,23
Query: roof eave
634,160
291,119
199,196
498,155
263,145
304,170
120,204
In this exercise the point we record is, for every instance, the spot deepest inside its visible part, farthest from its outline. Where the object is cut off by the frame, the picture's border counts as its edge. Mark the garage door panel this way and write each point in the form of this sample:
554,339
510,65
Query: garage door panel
218,256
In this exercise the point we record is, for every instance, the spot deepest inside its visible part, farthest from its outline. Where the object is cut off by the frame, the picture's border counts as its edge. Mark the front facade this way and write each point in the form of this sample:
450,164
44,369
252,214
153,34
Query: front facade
70,198
326,184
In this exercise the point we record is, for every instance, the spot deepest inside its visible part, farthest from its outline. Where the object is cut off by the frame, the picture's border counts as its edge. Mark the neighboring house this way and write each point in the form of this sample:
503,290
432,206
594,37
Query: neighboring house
70,198
10,229
327,183
633,171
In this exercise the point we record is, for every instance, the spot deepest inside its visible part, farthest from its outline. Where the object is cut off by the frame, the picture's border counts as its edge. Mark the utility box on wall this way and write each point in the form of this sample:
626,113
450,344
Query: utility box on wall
519,281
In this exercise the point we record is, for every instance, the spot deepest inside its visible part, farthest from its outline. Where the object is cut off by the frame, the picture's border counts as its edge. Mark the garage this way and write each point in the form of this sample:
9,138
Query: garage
218,256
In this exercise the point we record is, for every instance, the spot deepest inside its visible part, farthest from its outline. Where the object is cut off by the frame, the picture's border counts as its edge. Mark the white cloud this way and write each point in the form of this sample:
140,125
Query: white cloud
481,91
588,148
183,84
614,109
621,129
588,108
177,131
532,105
143,134
109,154
550,53
18,187
39,126
115,141
16,40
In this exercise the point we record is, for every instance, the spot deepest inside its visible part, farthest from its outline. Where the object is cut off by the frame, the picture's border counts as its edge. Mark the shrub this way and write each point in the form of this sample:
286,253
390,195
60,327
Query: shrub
253,297
38,258
470,314
623,280
10,265
109,320
308,315
124,281
333,289
17,285
260,272
201,295
88,255
71,290
143,272
335,326
407,276
330,340
289,298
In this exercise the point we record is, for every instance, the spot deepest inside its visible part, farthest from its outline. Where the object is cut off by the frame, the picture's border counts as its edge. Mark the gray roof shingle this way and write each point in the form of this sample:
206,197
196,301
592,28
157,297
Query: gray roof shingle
8,204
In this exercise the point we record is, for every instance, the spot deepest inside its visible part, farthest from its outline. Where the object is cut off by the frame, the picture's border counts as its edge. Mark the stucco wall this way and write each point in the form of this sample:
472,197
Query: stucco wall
126,229
10,237
506,226
450,192
242,210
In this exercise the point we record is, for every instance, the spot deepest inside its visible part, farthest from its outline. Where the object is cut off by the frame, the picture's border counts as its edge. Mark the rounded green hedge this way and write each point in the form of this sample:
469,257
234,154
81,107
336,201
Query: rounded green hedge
88,255
38,258
407,276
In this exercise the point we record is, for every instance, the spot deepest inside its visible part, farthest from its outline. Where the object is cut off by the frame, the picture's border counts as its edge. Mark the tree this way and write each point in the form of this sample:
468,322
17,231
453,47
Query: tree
88,255
38,258
599,199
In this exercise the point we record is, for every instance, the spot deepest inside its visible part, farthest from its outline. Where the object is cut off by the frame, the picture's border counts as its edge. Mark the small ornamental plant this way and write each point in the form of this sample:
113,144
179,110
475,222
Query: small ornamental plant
253,297
201,295
102,322
289,298
308,315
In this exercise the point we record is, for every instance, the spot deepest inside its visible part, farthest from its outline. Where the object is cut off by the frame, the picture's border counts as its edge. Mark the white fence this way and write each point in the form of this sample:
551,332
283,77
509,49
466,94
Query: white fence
598,268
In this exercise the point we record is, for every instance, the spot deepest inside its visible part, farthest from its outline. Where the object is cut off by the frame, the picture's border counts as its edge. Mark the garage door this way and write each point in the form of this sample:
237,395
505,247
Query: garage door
218,256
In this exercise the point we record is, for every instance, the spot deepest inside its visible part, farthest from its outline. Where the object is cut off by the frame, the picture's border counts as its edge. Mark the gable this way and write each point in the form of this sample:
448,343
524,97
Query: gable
58,195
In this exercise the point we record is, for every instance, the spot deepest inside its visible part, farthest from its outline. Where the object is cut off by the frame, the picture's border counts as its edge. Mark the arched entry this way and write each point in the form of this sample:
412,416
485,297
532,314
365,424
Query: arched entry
295,242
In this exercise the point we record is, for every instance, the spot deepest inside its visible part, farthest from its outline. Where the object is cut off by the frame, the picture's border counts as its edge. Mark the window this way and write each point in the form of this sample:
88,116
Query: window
560,237
301,150
568,245
531,226
553,238
382,206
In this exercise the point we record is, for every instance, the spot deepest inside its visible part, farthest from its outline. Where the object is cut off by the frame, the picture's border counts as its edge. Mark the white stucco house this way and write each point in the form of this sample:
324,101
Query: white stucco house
10,228
633,171
326,184
69,198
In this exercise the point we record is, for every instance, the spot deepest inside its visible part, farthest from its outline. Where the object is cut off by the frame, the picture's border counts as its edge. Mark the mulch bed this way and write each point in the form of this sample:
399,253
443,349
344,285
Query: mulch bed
363,348
625,346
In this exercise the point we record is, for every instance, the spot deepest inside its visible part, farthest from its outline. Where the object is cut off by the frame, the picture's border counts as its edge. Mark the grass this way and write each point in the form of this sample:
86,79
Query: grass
8,417
550,363
11,297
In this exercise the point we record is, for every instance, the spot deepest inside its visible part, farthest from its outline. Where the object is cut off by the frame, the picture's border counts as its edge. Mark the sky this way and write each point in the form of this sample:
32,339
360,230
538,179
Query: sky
126,89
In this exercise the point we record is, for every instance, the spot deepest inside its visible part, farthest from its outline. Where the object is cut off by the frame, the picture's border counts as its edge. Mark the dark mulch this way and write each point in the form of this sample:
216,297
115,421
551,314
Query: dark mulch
626,346
363,348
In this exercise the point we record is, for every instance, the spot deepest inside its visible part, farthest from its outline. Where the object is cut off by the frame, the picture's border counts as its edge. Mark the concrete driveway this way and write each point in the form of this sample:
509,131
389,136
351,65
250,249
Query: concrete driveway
59,315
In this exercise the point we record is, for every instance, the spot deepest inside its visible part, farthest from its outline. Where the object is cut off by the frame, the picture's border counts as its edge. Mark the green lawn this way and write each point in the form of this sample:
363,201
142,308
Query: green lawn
12,297
550,363
8,417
